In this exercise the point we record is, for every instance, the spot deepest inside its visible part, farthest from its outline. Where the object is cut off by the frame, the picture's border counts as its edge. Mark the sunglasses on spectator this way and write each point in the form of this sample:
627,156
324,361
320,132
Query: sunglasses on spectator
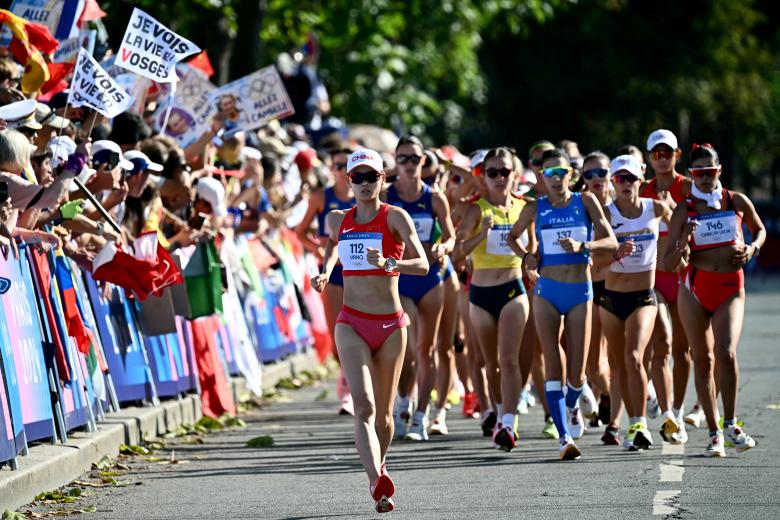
657,155
625,177
535,162
455,179
591,174
707,171
495,172
360,177
557,171
339,166
403,159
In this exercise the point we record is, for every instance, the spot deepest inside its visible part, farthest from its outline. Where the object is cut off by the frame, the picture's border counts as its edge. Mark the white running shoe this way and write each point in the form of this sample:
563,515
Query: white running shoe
737,438
576,423
588,404
439,424
695,417
522,403
418,431
716,447
680,436
400,420
347,407
569,450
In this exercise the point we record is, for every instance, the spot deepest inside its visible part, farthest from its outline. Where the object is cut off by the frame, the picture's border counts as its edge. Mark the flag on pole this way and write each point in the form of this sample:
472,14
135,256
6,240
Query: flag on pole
94,87
151,49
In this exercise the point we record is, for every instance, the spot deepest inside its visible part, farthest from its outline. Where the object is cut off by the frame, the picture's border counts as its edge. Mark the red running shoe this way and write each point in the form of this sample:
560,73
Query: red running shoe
470,405
382,487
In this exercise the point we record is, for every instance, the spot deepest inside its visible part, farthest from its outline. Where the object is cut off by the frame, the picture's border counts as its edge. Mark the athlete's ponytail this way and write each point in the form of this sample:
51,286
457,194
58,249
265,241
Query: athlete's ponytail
704,151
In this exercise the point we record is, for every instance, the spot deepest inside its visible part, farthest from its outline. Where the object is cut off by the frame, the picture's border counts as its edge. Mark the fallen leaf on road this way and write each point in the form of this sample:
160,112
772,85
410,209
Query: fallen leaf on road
264,441
322,396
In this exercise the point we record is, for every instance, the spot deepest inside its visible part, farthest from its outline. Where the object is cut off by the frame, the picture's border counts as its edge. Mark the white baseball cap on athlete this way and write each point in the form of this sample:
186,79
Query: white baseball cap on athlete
627,163
365,157
661,137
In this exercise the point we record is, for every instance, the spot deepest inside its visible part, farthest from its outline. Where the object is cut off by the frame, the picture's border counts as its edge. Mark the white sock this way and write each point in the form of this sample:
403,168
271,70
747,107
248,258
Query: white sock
678,412
633,420
642,420
500,407
508,420
668,414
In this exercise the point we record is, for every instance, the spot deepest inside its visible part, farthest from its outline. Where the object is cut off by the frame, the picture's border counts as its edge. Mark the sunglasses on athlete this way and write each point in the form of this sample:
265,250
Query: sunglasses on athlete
403,159
557,171
658,155
360,177
707,171
492,173
629,178
591,174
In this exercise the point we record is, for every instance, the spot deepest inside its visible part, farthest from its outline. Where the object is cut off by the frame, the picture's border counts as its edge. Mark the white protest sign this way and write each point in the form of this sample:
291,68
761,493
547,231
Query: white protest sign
192,109
151,49
93,87
136,85
254,100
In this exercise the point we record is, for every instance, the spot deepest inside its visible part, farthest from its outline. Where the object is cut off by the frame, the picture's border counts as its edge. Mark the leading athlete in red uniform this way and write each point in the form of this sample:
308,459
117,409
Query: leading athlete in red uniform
371,328
708,227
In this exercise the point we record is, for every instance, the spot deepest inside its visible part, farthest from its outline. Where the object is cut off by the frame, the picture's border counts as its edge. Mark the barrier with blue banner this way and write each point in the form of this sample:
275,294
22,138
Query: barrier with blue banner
123,350
72,348
24,335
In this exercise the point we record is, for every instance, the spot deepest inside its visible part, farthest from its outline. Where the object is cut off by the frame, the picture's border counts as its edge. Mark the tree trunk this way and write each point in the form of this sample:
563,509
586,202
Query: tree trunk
247,52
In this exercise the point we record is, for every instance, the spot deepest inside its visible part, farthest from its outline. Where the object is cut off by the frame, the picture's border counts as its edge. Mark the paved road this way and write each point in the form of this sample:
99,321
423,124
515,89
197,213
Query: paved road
313,470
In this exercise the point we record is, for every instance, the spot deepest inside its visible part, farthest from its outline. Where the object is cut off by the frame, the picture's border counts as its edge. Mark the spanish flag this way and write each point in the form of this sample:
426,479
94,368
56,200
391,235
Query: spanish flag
29,41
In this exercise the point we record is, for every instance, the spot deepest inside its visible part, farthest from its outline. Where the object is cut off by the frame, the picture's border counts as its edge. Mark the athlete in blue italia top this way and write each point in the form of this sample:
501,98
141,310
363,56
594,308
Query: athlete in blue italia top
565,225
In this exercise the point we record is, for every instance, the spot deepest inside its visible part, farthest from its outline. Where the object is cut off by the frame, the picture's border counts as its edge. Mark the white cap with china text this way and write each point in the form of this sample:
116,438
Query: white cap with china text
365,157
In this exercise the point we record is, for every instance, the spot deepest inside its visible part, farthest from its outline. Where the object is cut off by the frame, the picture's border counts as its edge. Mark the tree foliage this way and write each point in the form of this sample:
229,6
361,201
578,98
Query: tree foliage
485,72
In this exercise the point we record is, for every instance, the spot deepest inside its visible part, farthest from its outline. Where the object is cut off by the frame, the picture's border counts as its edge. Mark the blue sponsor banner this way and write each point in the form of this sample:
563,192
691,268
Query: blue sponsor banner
164,370
23,327
121,345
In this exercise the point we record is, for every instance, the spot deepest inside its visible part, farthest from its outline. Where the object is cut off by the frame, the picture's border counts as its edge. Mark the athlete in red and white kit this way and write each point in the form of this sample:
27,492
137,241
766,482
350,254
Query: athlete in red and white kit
371,328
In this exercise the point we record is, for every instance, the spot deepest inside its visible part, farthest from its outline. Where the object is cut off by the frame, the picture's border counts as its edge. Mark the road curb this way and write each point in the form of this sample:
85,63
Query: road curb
50,466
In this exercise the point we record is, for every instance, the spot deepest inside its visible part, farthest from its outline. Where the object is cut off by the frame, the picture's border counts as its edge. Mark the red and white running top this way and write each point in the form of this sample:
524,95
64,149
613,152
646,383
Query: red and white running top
354,240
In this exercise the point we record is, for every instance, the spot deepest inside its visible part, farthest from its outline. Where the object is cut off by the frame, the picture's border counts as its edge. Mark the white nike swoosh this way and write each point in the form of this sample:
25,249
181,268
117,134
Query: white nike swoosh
545,212
388,326
348,230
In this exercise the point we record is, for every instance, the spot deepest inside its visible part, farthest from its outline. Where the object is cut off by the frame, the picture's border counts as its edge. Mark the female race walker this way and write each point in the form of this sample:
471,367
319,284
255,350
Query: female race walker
498,301
370,330
424,297
337,196
628,302
565,222
711,300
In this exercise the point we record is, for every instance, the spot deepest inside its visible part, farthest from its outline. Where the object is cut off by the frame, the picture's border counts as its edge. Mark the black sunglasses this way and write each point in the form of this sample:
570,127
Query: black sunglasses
403,159
595,172
360,178
495,172
535,162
